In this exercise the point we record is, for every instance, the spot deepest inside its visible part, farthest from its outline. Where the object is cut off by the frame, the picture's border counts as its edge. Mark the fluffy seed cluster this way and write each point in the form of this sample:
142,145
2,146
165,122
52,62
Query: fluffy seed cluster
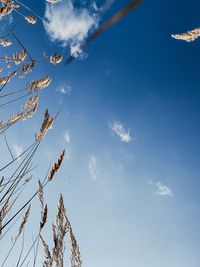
28,110
6,79
44,217
40,83
46,125
56,166
24,221
26,68
5,42
31,19
7,8
188,36
3,213
55,58
19,57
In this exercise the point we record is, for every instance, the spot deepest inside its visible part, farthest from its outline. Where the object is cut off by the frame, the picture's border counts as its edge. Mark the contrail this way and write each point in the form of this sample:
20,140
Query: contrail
113,20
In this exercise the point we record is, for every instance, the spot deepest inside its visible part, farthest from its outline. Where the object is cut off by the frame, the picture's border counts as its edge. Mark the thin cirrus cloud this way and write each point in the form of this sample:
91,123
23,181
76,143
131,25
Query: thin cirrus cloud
118,128
163,190
105,7
17,150
93,167
66,90
67,137
5,21
68,24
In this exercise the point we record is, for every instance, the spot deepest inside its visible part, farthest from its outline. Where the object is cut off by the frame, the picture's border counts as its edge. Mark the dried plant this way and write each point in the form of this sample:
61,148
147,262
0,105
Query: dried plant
56,59
5,42
31,19
188,36
40,83
24,221
19,57
49,260
56,166
41,194
43,218
46,125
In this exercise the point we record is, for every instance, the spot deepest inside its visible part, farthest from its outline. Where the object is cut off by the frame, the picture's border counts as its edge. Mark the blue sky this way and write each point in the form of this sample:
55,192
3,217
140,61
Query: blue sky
130,120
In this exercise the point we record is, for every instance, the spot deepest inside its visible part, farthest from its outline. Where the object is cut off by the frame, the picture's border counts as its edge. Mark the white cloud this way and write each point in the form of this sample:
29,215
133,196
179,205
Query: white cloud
163,190
67,24
64,90
93,167
106,5
118,128
6,21
17,150
67,137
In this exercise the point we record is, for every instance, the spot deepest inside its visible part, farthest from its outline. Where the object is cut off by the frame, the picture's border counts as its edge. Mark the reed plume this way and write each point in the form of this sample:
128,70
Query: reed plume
46,125
188,36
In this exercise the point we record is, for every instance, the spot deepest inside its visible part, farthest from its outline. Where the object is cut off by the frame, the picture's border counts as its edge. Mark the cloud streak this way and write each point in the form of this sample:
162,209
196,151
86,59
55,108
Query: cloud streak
67,137
118,128
17,150
93,167
163,190
66,90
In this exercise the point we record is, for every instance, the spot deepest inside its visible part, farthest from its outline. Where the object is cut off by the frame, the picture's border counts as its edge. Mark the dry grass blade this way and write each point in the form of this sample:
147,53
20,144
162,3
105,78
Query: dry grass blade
188,36
56,166
5,80
3,213
28,110
61,228
19,57
5,42
40,83
59,232
24,221
55,59
32,102
75,253
46,125
44,218
60,211
49,260
27,68
41,194
31,19
6,9
1,181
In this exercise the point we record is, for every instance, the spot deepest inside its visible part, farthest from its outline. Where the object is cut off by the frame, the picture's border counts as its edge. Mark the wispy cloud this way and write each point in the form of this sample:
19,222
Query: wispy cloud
64,89
93,167
67,137
118,128
163,190
160,189
17,150
6,21
68,24
104,7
